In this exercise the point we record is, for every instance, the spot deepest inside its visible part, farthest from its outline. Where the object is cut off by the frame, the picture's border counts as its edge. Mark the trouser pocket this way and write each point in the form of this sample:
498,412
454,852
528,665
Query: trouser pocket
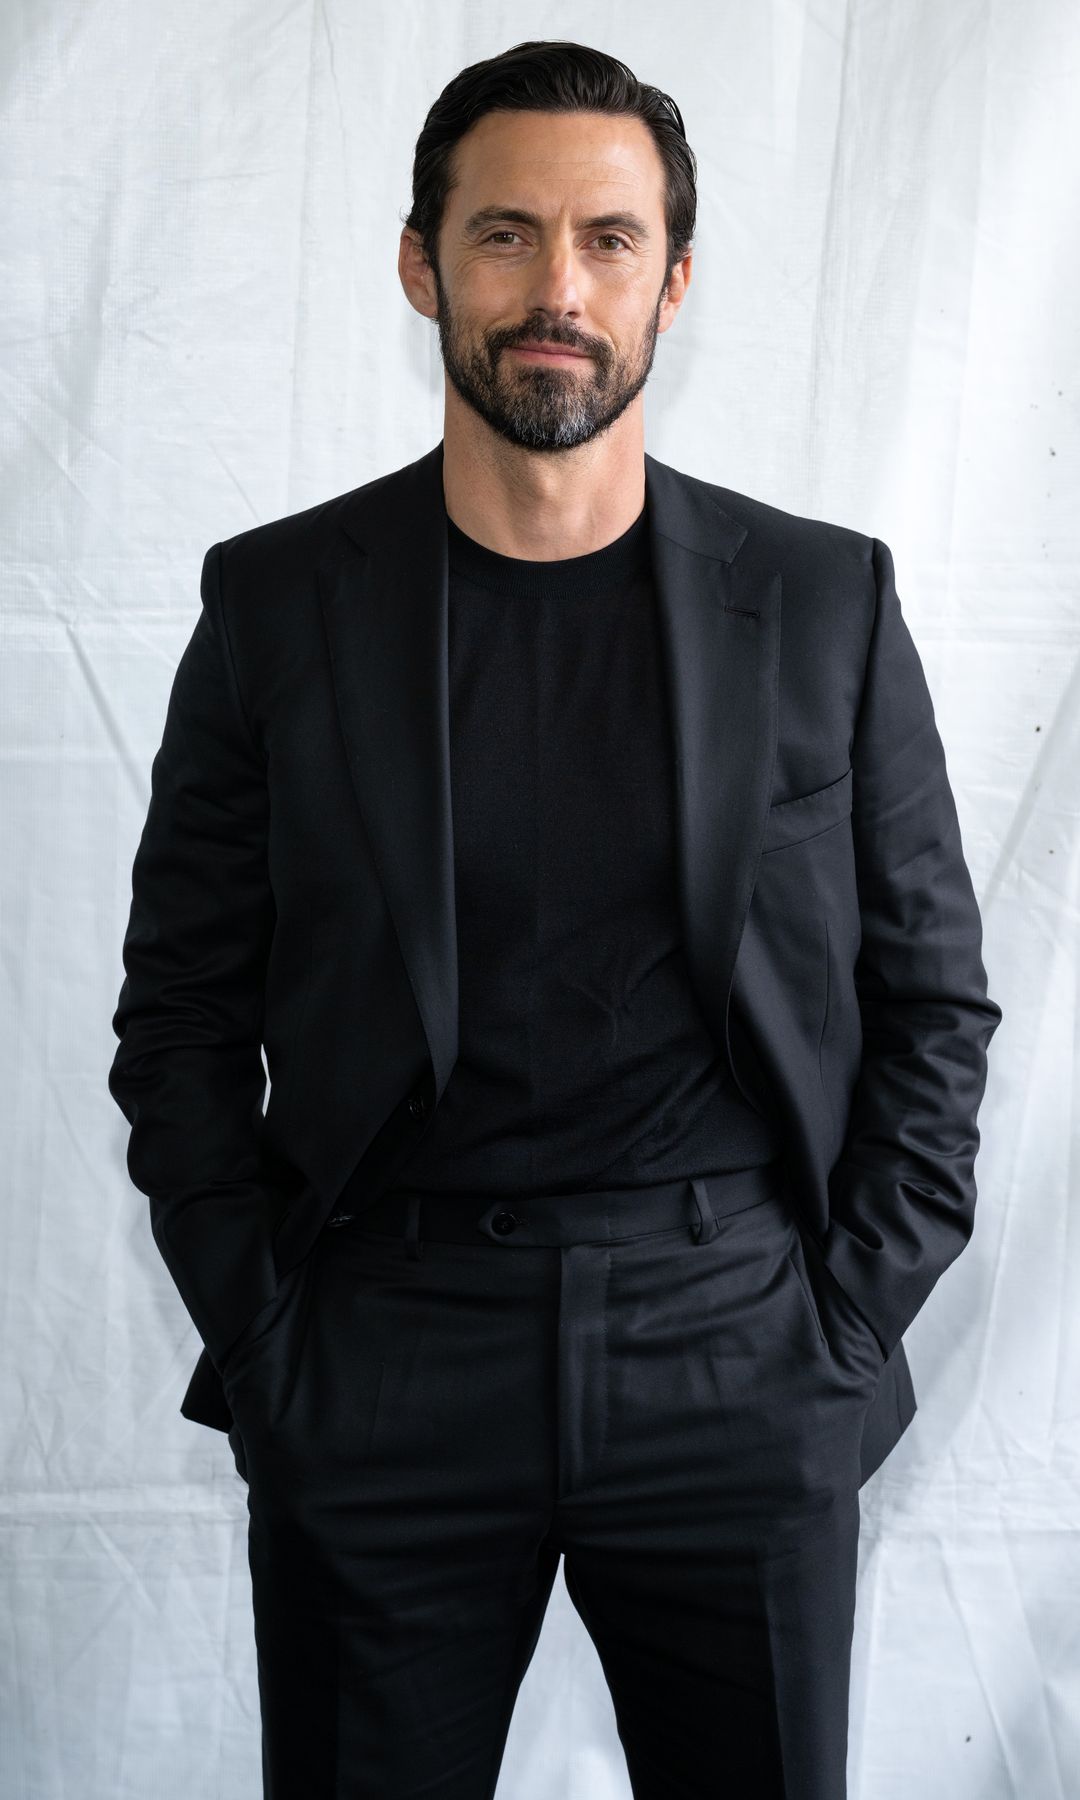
264,1355
843,1330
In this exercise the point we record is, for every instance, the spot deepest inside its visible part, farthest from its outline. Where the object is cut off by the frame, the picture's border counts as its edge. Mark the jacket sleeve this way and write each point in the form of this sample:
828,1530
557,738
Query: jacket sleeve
902,1192
188,1073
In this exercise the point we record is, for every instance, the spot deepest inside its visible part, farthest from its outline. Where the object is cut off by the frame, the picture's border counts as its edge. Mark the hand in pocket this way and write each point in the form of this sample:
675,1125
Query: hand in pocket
847,1331
260,1326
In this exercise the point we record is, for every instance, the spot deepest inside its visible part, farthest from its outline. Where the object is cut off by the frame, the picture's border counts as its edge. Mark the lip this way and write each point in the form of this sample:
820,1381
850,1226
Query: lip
549,353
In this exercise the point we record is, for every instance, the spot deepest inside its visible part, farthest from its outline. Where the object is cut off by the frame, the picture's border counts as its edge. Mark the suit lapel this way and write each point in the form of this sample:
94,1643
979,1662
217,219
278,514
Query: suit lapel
384,599
719,626
384,593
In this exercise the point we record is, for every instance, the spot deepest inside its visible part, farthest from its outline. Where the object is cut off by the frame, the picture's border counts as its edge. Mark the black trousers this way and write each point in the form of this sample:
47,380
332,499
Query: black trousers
664,1386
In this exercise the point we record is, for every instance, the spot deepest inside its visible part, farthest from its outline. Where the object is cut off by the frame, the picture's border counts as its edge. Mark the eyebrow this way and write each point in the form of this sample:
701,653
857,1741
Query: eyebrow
491,215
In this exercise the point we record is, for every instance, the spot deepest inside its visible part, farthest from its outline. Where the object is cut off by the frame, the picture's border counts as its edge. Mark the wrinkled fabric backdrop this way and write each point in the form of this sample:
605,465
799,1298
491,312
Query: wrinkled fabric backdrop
203,329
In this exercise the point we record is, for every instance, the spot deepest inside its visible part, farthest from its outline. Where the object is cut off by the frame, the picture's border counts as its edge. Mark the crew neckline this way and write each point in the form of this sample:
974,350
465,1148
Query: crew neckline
596,572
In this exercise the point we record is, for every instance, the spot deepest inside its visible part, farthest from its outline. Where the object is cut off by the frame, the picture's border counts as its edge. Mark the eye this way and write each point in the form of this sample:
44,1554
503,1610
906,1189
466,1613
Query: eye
608,237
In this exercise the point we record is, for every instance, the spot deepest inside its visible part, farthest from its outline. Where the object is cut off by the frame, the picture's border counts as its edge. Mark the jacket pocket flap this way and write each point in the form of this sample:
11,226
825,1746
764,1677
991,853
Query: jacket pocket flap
791,821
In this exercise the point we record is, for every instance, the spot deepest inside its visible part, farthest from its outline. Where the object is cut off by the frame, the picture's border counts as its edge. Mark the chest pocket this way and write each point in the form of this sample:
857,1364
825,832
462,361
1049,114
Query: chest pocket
808,815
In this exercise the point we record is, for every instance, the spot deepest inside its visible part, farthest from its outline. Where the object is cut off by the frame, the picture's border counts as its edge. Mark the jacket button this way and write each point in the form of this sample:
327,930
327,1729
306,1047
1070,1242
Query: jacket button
504,1222
418,1106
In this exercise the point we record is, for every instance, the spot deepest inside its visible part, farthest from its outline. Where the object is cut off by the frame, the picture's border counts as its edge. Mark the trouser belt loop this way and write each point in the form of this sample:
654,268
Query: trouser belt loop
413,1248
706,1227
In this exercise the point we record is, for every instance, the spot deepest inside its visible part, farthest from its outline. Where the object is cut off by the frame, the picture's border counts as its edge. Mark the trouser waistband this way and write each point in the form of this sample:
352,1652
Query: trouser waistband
590,1216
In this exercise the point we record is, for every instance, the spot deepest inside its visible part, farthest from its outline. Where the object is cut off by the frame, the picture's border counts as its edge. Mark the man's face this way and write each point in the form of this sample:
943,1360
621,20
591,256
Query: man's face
504,281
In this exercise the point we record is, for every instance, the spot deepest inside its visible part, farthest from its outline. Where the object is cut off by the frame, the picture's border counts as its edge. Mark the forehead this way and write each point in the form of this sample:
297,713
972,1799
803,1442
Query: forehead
519,156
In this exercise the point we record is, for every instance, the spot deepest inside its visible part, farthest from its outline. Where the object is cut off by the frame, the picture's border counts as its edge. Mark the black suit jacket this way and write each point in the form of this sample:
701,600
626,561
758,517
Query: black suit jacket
293,890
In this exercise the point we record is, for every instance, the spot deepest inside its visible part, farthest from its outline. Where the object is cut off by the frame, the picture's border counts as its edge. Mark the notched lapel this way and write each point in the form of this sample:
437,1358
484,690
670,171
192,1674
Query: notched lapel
384,602
719,615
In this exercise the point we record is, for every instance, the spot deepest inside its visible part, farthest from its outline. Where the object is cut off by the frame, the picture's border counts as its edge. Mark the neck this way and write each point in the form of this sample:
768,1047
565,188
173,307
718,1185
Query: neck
542,506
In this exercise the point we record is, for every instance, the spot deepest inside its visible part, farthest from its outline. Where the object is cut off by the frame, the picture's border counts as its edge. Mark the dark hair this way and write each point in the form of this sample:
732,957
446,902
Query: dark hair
556,77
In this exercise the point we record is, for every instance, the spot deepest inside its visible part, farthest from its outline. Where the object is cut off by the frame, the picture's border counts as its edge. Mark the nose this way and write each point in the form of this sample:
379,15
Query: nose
553,289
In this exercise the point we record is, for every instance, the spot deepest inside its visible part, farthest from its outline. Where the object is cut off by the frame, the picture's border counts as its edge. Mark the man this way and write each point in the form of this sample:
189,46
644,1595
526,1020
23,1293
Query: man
576,838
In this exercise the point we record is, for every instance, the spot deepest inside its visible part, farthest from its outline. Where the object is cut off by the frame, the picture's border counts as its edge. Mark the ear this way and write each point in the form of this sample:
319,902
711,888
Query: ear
416,274
676,290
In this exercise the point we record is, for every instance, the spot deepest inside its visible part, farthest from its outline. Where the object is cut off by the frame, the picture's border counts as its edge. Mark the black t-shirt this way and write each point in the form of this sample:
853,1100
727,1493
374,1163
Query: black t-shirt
584,1060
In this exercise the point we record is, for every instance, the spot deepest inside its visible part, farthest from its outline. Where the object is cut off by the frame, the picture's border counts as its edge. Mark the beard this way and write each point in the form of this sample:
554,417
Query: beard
540,408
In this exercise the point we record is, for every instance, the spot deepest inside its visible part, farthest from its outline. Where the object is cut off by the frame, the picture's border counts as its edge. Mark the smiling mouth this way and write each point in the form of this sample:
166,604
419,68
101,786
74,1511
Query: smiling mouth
549,353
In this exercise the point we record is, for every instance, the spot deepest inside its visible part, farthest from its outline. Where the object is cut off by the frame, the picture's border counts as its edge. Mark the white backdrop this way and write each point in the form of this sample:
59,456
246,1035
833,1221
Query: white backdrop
203,329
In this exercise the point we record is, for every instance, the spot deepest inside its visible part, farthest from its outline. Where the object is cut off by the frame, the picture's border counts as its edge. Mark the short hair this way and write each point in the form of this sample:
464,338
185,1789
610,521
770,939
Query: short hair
557,77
